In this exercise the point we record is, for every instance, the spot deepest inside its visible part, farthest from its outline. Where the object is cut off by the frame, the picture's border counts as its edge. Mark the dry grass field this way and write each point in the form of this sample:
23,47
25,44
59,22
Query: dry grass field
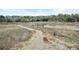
10,35
39,35
59,34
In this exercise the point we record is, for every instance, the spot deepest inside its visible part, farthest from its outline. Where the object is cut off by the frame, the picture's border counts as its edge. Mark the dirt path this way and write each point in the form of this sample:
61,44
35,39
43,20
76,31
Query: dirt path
36,42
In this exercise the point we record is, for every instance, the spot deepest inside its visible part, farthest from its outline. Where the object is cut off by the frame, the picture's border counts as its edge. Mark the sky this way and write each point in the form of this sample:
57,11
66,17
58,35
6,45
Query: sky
38,7
39,4
31,12
37,12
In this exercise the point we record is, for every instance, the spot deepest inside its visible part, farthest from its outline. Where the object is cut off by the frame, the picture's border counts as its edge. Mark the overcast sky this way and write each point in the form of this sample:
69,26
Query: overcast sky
38,7
35,12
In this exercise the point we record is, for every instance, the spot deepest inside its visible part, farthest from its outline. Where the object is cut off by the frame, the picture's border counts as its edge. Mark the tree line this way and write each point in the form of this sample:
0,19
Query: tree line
54,18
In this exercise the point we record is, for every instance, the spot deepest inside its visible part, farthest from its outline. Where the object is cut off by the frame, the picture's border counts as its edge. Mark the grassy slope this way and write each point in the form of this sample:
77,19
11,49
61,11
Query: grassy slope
11,35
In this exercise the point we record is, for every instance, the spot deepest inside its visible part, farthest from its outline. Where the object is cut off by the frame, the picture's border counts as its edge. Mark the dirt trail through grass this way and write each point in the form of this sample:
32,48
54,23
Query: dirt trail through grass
36,41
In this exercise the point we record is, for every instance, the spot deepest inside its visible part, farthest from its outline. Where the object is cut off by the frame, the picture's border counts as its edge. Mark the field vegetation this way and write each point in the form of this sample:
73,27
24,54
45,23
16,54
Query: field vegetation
61,31
69,37
10,35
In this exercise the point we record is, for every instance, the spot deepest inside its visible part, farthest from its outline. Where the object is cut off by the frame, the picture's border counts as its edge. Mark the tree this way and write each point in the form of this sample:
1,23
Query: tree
2,18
